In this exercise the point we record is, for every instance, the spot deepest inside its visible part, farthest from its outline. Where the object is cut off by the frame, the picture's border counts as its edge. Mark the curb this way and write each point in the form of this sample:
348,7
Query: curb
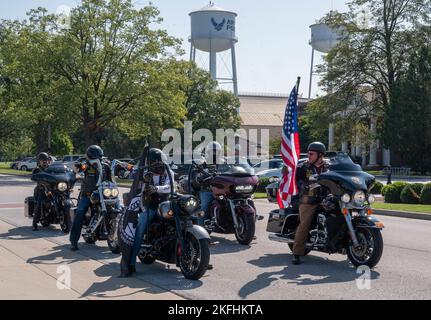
403,214
16,175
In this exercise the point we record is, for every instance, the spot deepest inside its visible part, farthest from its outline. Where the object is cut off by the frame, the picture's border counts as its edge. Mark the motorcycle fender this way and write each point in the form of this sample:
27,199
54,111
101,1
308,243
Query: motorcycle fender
245,209
368,222
199,232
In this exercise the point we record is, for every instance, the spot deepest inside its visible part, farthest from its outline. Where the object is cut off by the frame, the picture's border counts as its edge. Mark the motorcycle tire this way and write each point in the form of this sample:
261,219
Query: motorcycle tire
247,227
199,246
112,240
363,234
65,221
147,259
45,223
89,239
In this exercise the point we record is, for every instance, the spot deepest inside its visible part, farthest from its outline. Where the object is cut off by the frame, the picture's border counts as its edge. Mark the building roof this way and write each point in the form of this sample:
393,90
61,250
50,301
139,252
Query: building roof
266,110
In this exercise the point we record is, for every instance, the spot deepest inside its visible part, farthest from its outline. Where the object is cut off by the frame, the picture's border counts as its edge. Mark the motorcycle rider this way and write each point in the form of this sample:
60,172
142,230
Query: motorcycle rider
201,177
309,199
43,162
90,167
157,189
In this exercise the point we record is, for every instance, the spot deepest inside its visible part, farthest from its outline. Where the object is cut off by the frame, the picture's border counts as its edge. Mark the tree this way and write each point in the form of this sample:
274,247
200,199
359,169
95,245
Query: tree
105,58
408,119
362,70
209,107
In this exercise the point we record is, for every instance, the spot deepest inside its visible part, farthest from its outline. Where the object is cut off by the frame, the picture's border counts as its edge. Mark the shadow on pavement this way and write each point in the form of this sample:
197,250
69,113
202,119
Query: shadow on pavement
106,288
220,245
314,270
26,233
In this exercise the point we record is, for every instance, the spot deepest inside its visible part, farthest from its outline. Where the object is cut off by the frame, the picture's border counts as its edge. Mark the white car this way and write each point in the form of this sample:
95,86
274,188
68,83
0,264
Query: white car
27,165
70,160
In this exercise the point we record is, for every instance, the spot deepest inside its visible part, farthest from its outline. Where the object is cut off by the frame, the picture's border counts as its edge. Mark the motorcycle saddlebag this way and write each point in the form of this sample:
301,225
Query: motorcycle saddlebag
276,220
29,207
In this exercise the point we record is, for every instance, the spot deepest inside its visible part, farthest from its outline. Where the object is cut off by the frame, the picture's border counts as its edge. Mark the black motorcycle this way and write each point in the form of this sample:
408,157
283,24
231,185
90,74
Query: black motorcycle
343,224
101,219
58,182
173,237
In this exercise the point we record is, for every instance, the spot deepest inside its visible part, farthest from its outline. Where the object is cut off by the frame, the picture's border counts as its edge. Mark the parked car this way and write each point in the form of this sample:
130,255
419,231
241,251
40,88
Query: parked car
268,165
14,165
27,165
69,160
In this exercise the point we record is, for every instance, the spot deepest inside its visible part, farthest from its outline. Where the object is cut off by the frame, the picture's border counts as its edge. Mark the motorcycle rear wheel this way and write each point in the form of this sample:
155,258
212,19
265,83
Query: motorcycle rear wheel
147,259
89,239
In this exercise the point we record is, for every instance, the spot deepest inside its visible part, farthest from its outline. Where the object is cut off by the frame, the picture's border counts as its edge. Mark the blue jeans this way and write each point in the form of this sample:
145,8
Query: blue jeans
143,223
206,198
75,233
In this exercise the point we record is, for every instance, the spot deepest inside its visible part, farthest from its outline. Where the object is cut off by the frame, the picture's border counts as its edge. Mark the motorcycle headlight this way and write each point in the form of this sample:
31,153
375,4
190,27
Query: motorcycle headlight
244,189
107,193
371,199
115,192
359,197
345,198
62,186
190,204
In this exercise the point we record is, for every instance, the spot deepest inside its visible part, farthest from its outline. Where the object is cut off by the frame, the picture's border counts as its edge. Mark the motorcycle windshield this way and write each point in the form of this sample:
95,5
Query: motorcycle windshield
54,174
345,176
237,170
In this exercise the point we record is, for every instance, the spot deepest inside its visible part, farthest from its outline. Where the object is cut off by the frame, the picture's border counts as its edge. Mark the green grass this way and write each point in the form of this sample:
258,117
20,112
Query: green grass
5,165
374,173
403,207
9,171
260,195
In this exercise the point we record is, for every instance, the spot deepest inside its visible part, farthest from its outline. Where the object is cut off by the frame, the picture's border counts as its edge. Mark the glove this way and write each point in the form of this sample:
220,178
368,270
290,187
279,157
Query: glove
150,190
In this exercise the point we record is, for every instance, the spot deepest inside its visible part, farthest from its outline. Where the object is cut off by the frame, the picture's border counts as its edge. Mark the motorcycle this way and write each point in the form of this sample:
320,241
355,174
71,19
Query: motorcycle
233,209
343,223
122,170
58,182
101,219
173,237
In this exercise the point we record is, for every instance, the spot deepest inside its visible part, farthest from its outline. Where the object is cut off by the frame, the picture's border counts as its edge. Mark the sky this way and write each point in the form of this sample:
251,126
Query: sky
273,36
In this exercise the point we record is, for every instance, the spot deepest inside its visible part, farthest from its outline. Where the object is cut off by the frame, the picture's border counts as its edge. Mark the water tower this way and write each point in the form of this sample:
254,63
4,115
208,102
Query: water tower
213,31
323,39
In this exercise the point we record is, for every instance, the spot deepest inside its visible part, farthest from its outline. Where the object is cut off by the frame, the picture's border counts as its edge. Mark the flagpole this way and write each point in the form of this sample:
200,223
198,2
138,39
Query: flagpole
298,82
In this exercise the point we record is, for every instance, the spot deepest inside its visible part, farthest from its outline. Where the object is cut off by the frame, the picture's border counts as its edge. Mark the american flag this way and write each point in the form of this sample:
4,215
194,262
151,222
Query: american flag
289,150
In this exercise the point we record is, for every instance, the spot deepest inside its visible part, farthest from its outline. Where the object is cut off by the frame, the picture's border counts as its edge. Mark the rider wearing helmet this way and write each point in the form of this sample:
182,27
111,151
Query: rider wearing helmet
201,177
308,199
91,167
156,189
43,161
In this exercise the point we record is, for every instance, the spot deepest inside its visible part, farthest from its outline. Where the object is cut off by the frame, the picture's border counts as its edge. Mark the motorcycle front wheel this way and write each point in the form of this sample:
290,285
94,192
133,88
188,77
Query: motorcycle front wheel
112,240
65,220
246,228
194,258
370,248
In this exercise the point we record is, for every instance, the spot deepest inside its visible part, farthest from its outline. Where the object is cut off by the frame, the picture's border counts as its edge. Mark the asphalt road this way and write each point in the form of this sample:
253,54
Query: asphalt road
262,270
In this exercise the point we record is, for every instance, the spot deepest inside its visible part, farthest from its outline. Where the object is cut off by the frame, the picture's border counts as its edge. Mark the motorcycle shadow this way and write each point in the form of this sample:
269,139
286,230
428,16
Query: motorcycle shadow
26,233
116,287
62,254
314,270
166,276
222,245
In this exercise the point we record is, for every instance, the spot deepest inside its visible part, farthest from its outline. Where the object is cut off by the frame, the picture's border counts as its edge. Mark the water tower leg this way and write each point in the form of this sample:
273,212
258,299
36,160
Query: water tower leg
311,73
234,74
192,50
213,65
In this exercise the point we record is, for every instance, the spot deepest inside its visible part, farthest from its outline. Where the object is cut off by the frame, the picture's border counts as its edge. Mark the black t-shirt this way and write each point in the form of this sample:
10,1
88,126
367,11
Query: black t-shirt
91,177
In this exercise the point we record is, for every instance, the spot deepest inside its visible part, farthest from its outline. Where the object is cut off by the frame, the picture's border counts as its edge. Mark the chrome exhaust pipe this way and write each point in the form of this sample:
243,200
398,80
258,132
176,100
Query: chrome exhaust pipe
279,238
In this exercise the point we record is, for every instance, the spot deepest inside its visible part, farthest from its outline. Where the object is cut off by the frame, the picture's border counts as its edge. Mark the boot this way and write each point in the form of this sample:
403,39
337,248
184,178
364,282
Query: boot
296,259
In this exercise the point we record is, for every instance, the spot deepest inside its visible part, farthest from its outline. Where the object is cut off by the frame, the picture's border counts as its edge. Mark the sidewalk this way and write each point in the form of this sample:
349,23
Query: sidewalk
30,267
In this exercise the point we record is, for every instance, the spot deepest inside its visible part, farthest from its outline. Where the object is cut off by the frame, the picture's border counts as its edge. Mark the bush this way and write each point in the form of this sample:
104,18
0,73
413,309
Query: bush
263,183
411,193
426,194
392,192
377,188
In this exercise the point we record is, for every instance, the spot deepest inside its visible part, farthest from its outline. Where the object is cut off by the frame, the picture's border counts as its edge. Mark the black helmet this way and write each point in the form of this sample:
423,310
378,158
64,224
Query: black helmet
157,160
43,156
94,152
317,147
